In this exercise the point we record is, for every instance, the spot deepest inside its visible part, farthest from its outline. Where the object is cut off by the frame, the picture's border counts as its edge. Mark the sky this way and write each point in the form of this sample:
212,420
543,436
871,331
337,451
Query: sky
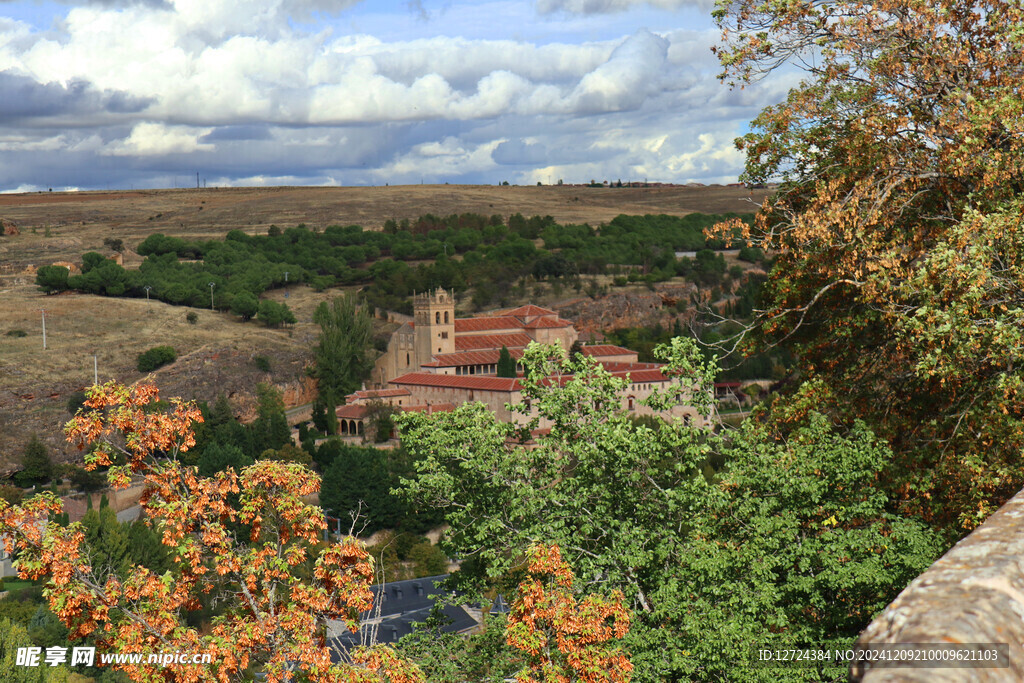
98,94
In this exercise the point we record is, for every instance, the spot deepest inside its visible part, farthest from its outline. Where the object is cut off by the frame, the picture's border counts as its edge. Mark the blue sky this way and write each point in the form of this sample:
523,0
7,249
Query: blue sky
145,93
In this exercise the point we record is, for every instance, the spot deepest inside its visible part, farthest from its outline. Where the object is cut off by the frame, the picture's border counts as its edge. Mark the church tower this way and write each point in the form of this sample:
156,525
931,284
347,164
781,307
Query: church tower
434,315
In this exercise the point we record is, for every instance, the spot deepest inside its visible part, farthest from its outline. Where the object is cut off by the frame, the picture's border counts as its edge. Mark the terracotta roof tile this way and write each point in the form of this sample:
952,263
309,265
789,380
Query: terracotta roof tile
599,350
376,393
484,357
478,342
426,379
547,322
529,311
483,324
354,411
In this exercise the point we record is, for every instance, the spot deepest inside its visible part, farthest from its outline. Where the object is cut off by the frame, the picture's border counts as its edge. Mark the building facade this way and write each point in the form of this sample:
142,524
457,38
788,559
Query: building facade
438,361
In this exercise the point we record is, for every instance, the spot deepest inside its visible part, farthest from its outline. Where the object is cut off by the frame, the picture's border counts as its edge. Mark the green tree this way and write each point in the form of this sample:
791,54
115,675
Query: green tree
380,419
359,480
36,465
897,228
506,364
270,428
218,457
52,279
344,352
12,637
632,505
273,314
108,542
156,357
245,305
114,243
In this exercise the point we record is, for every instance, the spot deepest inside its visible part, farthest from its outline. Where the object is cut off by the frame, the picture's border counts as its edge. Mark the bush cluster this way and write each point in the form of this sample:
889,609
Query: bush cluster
156,357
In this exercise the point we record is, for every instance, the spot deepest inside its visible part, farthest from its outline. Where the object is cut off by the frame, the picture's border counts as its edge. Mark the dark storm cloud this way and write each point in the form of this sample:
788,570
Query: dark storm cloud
22,97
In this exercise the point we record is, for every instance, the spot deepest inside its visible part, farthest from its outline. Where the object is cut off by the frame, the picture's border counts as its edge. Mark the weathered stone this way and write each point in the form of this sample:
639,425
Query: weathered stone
8,227
973,594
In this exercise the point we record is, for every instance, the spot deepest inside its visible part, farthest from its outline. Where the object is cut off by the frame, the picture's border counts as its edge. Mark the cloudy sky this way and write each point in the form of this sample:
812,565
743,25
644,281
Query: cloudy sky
101,94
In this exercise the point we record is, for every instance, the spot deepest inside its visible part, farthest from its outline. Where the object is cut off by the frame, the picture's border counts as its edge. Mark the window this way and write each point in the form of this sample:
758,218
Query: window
446,317
406,359
437,317
630,400
444,335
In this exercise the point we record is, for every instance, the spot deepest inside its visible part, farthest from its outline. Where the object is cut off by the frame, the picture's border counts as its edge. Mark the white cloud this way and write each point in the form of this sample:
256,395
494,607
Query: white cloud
251,95
609,6
153,139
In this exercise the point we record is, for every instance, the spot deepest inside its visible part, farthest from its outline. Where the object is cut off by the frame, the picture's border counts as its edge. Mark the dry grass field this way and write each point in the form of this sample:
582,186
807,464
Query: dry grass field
217,353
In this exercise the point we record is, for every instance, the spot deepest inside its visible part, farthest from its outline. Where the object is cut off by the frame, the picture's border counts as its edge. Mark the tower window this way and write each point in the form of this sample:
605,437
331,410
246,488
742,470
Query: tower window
446,317
437,317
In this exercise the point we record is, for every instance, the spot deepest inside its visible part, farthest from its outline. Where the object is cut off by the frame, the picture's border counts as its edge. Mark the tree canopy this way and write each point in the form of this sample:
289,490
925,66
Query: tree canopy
897,226
789,542
245,539
344,351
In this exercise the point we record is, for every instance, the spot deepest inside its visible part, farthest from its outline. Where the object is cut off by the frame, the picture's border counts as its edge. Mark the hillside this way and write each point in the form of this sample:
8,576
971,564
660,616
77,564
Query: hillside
218,352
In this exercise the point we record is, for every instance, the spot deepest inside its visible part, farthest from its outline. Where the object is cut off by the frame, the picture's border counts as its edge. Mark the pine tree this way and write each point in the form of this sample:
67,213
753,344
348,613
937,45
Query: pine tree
36,466
506,364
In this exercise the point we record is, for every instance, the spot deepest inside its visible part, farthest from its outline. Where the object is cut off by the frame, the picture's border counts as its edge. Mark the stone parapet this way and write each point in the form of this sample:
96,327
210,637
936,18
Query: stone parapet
972,594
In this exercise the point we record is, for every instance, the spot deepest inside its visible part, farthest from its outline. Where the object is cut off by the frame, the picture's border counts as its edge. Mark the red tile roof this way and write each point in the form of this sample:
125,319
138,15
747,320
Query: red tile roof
477,342
547,323
376,393
484,324
529,311
485,357
353,411
637,376
427,379
599,350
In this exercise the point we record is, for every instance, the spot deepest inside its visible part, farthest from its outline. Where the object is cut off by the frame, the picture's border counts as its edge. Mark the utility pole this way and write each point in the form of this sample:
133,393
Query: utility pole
147,288
286,284
211,295
197,180
95,371
43,311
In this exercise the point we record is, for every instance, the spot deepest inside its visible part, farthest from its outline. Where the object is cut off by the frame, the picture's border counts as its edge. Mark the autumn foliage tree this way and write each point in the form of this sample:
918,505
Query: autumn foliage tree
244,540
897,224
565,638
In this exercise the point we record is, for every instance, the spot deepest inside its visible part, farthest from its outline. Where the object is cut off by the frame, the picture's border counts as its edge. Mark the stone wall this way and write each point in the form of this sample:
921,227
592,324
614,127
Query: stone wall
973,594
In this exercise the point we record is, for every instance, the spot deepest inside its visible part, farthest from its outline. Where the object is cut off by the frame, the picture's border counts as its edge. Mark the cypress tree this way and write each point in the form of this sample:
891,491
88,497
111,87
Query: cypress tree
506,364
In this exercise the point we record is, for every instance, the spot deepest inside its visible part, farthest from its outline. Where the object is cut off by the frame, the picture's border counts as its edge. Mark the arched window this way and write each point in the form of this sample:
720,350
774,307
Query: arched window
446,317
437,317
406,359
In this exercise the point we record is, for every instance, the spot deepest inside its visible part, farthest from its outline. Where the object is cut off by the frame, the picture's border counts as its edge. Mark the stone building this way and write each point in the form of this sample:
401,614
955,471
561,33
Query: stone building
435,335
438,361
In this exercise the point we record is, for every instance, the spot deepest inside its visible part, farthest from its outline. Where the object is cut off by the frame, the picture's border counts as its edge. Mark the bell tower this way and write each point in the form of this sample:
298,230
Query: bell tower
434,315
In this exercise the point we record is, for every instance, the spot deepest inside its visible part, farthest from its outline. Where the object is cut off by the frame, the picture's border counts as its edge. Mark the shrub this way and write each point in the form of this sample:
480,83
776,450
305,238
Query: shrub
262,362
75,401
192,317
156,357
17,333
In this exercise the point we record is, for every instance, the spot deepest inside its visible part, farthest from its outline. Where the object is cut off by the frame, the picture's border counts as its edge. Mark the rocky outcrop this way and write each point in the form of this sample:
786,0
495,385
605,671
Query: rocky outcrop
8,227
630,307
